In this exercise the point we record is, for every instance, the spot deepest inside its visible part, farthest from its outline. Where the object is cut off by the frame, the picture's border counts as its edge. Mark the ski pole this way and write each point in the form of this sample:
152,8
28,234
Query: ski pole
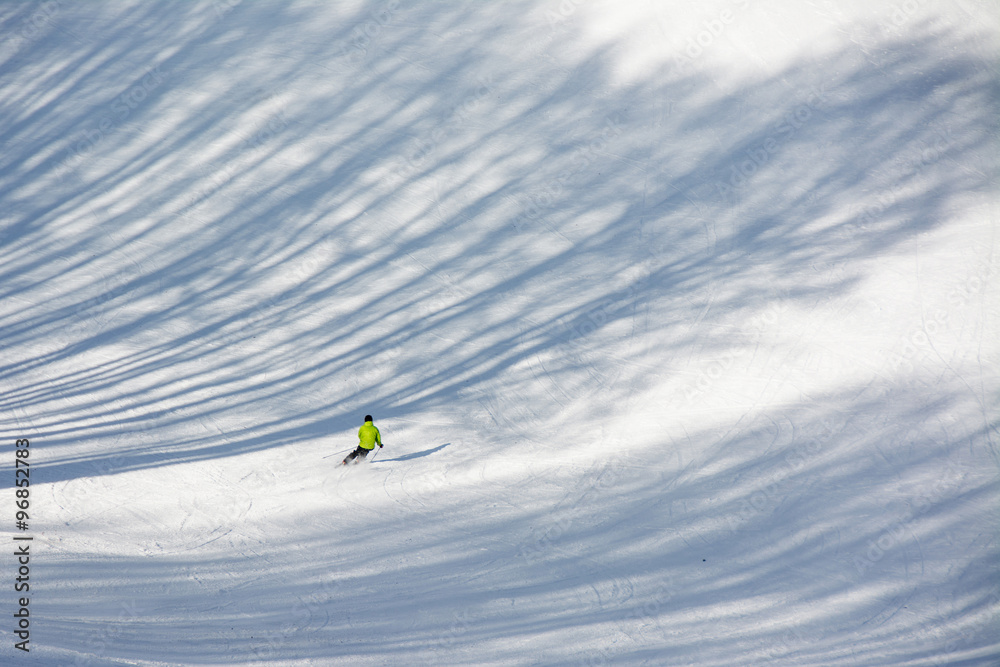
335,453
375,454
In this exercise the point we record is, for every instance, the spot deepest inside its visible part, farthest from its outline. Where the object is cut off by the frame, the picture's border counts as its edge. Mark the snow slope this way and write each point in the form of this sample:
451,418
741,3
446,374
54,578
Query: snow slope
679,320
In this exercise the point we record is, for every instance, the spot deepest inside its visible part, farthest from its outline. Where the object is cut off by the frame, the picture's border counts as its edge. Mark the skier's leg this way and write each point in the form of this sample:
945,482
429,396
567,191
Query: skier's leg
353,455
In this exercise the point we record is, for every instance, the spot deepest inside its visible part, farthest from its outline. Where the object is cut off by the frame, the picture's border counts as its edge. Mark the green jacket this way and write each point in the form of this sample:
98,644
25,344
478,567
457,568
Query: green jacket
369,436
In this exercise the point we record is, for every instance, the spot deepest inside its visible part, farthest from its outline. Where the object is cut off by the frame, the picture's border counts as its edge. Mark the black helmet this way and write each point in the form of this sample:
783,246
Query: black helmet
368,418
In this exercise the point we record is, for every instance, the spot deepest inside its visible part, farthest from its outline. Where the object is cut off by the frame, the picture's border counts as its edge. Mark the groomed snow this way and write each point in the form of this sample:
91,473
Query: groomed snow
679,321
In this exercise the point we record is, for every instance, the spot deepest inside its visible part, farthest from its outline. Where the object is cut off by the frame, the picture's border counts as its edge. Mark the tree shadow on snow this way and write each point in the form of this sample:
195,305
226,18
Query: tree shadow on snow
506,266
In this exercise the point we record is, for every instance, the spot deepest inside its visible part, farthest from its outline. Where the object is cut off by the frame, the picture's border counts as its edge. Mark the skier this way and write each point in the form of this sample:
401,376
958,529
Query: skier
368,436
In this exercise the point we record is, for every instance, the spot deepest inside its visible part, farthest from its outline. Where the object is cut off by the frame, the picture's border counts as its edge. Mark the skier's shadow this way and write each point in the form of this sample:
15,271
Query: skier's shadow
415,455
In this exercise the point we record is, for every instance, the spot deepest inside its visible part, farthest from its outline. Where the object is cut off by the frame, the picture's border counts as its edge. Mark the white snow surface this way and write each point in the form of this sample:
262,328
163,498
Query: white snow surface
679,320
